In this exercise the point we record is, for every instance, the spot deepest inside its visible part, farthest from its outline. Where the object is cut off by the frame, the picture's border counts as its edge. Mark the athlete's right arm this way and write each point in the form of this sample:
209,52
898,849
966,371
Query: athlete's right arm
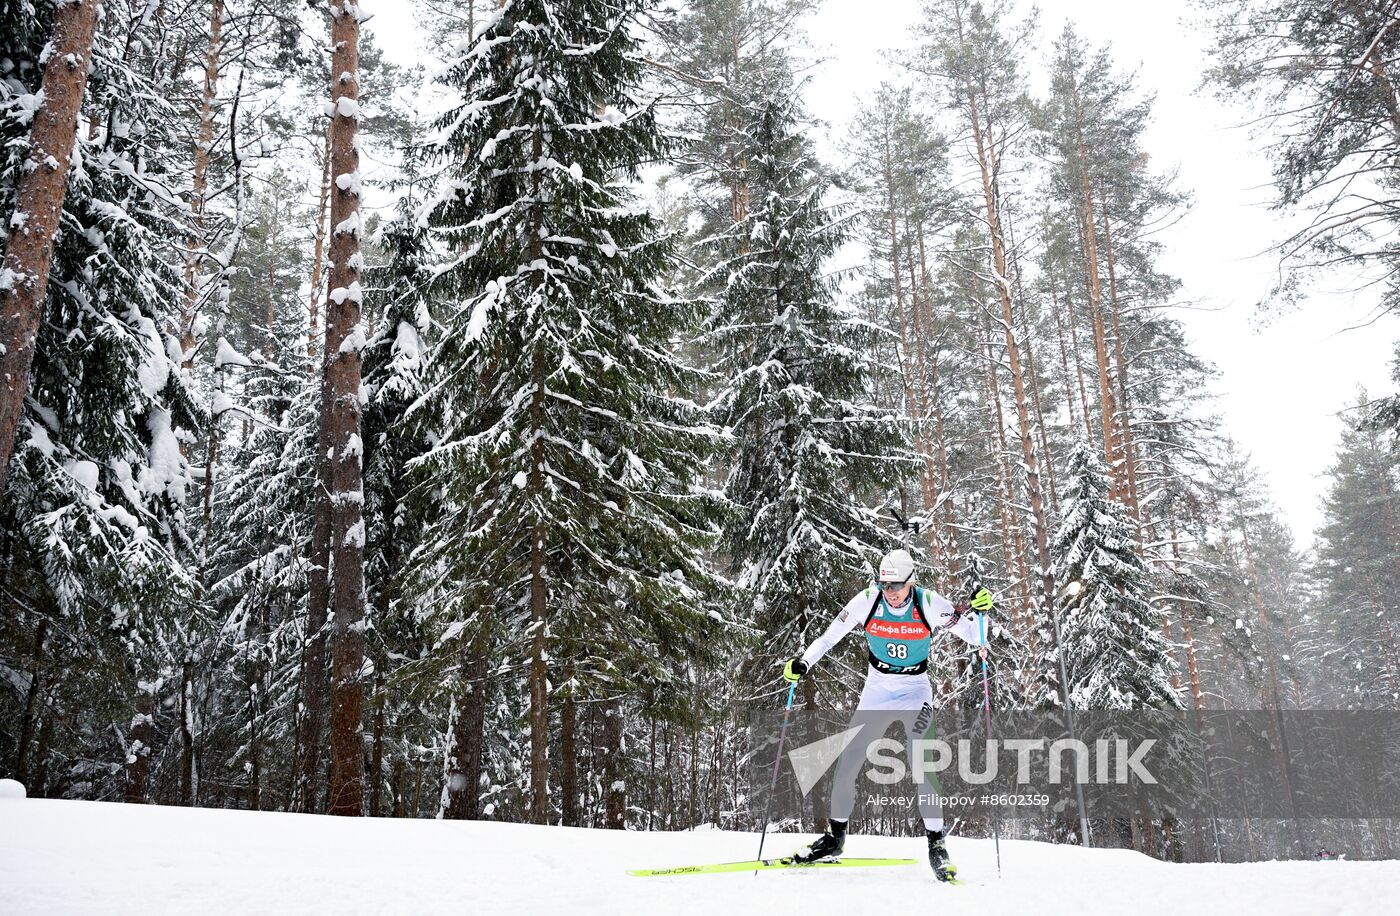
851,616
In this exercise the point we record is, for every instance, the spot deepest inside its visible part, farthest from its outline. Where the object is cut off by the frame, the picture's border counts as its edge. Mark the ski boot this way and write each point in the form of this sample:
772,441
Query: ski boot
943,870
827,847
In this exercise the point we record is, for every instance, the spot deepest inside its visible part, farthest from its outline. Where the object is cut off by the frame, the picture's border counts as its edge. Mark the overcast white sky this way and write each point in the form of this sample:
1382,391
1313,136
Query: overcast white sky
1282,382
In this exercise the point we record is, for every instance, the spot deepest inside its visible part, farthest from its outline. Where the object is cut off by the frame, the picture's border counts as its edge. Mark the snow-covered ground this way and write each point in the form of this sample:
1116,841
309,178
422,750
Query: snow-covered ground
64,857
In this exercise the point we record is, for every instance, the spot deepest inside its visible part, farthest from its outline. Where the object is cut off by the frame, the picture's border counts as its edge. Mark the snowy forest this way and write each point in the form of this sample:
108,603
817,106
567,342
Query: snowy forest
501,486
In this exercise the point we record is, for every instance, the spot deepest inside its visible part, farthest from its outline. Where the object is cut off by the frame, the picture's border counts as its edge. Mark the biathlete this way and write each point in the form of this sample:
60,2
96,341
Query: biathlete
898,619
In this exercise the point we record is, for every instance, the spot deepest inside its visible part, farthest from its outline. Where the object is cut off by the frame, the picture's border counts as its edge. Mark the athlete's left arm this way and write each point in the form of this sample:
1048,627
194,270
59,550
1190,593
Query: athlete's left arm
943,616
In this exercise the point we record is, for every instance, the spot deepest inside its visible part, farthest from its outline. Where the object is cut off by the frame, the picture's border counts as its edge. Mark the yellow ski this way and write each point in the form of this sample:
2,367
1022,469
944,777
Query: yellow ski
761,864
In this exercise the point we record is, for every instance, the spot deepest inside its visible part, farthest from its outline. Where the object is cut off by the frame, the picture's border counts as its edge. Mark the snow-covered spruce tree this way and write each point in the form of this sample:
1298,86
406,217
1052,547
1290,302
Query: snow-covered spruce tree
260,515
810,451
95,540
258,562
572,525
1115,655
398,294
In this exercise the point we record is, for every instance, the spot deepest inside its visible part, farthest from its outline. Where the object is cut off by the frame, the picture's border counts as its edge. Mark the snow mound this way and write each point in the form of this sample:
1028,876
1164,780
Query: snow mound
74,857
11,788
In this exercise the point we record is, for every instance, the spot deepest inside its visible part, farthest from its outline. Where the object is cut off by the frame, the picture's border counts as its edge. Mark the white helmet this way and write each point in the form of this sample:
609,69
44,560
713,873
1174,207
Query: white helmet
897,566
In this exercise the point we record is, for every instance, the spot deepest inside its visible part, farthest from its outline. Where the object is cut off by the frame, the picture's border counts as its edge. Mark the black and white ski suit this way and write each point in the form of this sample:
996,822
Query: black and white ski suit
896,679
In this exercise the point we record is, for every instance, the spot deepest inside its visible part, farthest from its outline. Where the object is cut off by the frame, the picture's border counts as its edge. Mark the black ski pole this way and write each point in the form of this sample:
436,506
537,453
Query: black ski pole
777,761
987,703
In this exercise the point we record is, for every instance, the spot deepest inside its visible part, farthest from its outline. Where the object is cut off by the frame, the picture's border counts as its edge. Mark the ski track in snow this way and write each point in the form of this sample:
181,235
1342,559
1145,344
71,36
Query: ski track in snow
69,857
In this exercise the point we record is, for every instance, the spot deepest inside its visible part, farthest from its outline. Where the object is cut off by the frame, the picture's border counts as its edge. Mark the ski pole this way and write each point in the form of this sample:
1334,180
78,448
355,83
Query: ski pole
777,761
987,705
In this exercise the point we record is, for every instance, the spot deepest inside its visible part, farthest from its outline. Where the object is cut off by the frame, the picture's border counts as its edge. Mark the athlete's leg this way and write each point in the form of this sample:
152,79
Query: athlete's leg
843,786
918,721
881,700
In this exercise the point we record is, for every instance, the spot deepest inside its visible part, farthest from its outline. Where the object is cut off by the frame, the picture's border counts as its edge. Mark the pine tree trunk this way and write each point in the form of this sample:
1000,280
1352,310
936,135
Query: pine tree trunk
1029,335
1086,414
1107,410
987,165
1040,423
31,702
1385,86
1276,702
344,339
1197,696
907,367
668,755
821,802
739,188
474,731
254,796
692,796
592,779
1193,674
396,786
1125,431
211,468
1013,540
138,761
189,774
923,390
43,181
1089,241
256,685
315,673
270,302
651,773
715,774
464,787
315,684
38,786
376,768
452,781
942,476
615,787
1193,670
199,191
571,815
1064,353
539,676
535,486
